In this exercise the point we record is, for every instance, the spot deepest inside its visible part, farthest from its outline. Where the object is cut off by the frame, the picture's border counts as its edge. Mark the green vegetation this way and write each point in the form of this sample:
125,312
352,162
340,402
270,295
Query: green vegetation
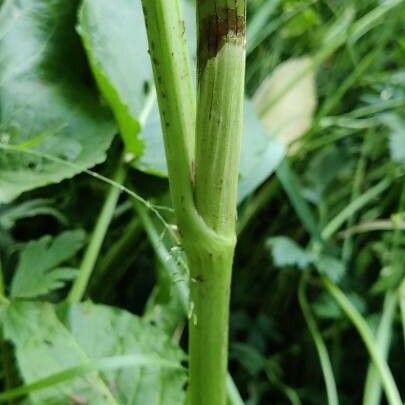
122,197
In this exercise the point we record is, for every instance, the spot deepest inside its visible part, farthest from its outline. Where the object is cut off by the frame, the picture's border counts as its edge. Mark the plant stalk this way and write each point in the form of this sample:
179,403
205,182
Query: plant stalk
220,98
319,342
221,75
176,98
202,148
208,326
79,287
381,366
172,268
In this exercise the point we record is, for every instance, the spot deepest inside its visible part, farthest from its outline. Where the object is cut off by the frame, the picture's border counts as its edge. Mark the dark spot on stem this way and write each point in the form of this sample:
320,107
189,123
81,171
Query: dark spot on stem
146,87
183,28
225,26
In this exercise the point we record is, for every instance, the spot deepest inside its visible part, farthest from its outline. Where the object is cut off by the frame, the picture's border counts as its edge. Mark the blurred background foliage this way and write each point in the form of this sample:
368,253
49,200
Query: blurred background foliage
327,202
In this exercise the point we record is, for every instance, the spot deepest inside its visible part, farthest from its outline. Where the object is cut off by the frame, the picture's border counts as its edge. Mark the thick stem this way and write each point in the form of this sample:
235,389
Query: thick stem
176,98
203,163
208,326
172,268
221,75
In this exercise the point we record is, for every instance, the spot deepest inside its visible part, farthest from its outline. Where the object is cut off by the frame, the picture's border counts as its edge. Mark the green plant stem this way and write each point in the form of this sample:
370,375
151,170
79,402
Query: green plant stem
221,75
208,326
175,272
372,390
373,226
176,98
89,259
203,161
289,392
388,382
334,225
320,345
359,175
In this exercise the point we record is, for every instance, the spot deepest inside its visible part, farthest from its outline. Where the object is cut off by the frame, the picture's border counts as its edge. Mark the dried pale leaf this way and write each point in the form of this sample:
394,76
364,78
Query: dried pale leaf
287,99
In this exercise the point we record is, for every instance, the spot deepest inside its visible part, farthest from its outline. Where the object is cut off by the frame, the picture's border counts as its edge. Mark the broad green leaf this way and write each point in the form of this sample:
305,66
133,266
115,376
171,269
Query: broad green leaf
115,39
114,36
46,103
287,99
39,268
43,347
260,154
103,331
94,337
